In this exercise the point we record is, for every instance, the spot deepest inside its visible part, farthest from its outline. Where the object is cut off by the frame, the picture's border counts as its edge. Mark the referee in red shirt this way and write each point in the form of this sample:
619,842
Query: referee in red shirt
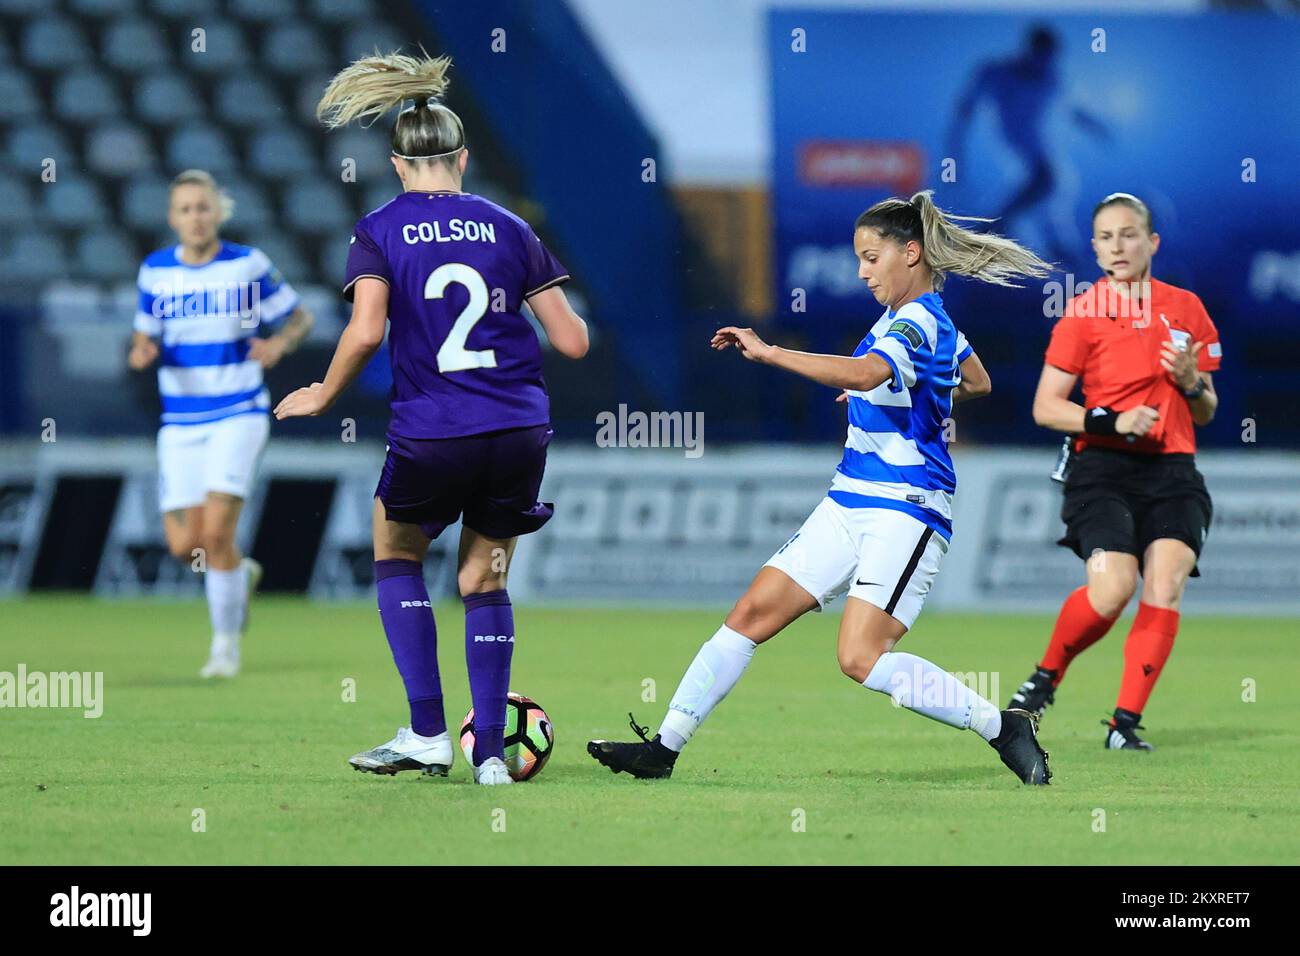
1134,501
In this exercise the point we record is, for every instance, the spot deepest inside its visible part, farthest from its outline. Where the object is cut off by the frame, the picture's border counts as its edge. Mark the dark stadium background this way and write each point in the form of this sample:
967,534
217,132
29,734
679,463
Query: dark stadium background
114,94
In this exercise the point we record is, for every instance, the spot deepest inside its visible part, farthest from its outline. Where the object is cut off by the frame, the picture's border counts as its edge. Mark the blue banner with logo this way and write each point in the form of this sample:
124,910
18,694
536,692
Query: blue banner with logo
1031,121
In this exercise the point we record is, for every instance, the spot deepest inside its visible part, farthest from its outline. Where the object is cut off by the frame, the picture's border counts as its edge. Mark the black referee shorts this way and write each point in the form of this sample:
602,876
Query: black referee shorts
1122,501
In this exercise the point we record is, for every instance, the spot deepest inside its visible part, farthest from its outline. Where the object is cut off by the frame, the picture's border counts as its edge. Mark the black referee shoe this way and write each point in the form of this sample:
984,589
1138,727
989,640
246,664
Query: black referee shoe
1036,693
1121,735
1017,745
647,760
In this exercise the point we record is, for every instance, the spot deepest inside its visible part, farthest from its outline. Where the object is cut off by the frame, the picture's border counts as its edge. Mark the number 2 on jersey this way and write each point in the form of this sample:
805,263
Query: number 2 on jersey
453,356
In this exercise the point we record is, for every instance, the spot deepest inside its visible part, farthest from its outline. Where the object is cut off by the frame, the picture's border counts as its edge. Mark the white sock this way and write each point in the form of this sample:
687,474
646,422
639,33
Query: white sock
227,596
915,683
715,670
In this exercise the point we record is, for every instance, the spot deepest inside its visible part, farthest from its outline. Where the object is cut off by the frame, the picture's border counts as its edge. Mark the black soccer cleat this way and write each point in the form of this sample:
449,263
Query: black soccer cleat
1036,693
647,760
1121,732
1017,745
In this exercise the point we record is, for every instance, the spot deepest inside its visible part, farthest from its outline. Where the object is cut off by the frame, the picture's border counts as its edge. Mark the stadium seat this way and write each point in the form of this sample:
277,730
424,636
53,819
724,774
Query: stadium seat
317,207
123,298
16,206
167,99
73,202
105,255
200,146
248,100
144,203
30,144
53,42
86,96
33,256
295,47
119,149
342,11
18,96
262,11
72,302
224,49
183,9
280,152
99,9
23,8
334,262
135,46
116,74
283,253
309,94
368,148
361,37
252,211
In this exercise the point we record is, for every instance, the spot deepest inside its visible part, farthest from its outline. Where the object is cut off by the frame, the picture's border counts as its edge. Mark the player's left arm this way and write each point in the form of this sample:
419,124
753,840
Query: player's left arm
975,381
357,346
858,373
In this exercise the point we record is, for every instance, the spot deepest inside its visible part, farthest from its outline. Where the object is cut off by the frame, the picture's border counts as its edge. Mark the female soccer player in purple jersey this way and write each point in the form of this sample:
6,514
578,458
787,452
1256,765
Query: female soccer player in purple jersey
450,272
884,525
214,315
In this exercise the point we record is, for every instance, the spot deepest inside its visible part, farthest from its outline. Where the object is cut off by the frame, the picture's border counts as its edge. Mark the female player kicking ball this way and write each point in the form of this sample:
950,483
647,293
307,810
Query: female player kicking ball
223,314
450,272
1134,500
885,523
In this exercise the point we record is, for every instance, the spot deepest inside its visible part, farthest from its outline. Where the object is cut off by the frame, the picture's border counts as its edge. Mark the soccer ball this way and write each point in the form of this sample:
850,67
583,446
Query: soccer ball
529,737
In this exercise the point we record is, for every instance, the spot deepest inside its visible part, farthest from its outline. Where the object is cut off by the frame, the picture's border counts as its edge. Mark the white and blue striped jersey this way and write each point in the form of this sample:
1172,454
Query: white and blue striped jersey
205,316
896,455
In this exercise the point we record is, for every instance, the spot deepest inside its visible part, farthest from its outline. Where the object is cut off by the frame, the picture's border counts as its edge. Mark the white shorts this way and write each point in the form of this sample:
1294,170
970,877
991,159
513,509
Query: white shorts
217,456
884,557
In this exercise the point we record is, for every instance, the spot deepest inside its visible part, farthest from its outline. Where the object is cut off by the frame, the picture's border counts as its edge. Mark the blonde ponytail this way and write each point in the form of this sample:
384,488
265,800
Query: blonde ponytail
373,85
949,247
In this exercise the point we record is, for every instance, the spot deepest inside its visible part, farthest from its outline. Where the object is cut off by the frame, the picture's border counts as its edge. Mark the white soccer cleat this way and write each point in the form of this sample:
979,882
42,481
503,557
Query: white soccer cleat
492,772
407,751
223,661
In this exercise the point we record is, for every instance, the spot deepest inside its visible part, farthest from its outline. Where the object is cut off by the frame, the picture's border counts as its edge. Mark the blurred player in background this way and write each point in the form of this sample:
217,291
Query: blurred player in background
217,314
884,525
471,417
1134,500
1024,90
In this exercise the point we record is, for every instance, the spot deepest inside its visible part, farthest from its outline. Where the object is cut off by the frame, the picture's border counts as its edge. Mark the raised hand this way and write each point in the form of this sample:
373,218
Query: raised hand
747,340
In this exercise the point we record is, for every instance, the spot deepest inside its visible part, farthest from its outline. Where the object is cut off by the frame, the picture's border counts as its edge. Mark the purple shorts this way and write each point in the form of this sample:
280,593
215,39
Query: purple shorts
492,479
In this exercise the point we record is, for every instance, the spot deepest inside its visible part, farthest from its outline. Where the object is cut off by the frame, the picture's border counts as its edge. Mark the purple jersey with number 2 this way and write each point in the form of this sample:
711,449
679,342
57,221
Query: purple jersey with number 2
465,360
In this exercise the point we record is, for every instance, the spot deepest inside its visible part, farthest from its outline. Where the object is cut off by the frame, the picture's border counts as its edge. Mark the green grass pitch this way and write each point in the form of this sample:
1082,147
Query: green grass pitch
263,756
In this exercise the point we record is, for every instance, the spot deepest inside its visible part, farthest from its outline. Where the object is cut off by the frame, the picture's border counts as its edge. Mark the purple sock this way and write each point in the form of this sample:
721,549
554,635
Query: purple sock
489,644
408,622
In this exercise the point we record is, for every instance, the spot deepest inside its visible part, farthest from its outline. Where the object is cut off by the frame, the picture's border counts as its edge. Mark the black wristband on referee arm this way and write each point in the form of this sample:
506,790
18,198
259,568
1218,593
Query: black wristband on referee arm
1100,421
